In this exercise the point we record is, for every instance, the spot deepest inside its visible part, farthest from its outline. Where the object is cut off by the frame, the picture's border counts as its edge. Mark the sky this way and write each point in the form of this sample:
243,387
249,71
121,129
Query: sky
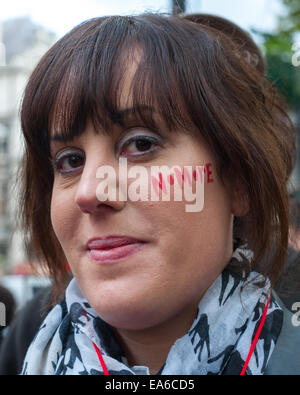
60,16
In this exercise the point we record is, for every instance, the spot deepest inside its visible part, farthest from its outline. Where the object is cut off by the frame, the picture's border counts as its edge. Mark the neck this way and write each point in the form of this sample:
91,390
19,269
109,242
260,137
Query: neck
150,346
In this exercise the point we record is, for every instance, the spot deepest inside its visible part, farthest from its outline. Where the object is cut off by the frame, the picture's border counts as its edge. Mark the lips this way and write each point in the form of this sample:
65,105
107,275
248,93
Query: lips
112,249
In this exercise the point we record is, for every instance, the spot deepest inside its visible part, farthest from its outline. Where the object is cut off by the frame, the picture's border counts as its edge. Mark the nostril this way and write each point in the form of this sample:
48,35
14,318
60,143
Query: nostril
88,203
104,208
83,206
85,211
97,208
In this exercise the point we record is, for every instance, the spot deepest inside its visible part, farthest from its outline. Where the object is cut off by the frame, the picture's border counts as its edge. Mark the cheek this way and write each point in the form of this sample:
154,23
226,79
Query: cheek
62,215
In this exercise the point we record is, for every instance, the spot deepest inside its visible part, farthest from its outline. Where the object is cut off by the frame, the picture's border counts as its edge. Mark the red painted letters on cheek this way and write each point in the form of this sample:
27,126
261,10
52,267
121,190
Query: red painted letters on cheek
209,172
181,176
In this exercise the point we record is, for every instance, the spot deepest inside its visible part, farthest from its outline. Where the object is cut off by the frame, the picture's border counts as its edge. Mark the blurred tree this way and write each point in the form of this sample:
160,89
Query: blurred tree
291,21
282,51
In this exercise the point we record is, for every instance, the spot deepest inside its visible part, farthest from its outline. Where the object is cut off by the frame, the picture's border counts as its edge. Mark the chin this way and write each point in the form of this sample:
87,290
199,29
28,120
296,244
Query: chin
129,316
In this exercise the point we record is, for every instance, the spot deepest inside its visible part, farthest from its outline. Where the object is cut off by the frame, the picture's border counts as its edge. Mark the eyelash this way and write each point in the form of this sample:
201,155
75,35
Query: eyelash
67,155
148,139
58,162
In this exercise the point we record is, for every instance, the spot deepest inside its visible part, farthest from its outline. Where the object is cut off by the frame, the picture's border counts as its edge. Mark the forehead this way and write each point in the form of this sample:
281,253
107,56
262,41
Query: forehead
125,97
103,74
104,98
122,95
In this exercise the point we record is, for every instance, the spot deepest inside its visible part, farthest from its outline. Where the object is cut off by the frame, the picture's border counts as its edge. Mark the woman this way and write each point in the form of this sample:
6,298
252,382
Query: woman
156,289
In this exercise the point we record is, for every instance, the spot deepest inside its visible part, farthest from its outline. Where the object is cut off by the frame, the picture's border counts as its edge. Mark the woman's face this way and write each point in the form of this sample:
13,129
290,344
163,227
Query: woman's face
174,255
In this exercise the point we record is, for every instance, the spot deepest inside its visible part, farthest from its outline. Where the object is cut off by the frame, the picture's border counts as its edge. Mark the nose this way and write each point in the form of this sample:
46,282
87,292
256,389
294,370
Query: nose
95,194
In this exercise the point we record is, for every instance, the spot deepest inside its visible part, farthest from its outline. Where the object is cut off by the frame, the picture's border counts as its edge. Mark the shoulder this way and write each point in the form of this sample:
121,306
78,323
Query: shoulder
285,359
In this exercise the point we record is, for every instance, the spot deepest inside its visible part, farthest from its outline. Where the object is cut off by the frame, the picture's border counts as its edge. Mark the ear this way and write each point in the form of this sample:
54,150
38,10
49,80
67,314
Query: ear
239,200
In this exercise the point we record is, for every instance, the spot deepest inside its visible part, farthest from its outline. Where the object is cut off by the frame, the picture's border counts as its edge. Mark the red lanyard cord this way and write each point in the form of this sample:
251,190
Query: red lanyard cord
253,345
102,363
105,371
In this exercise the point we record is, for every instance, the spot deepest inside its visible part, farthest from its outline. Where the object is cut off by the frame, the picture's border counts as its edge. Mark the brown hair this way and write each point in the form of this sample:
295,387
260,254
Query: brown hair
191,76
246,47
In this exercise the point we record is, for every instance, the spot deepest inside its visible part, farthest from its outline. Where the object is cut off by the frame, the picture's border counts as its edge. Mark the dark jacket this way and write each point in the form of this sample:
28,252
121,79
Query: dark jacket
285,359
22,331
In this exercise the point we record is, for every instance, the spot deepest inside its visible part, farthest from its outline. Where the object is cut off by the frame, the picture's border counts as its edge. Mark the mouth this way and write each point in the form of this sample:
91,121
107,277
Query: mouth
112,249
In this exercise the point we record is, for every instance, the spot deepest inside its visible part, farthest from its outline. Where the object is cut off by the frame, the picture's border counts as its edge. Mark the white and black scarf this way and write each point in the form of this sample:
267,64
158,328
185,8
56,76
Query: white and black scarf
218,341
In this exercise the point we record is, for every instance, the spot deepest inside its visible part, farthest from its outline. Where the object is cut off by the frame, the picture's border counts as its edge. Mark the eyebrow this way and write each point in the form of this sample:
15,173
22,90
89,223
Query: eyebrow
118,117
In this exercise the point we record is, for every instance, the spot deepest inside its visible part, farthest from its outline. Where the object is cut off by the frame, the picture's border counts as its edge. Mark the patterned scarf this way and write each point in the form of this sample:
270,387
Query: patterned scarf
218,341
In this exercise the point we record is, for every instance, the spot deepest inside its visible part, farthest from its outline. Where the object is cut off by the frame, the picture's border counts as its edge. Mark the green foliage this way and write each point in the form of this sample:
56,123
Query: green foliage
291,22
286,78
279,52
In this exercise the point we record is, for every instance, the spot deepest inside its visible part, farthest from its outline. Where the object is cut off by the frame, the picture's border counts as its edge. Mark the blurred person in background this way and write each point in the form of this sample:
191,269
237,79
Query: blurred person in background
7,311
21,332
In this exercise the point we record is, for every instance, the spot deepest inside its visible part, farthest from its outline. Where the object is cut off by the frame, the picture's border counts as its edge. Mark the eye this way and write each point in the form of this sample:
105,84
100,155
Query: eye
139,146
69,162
